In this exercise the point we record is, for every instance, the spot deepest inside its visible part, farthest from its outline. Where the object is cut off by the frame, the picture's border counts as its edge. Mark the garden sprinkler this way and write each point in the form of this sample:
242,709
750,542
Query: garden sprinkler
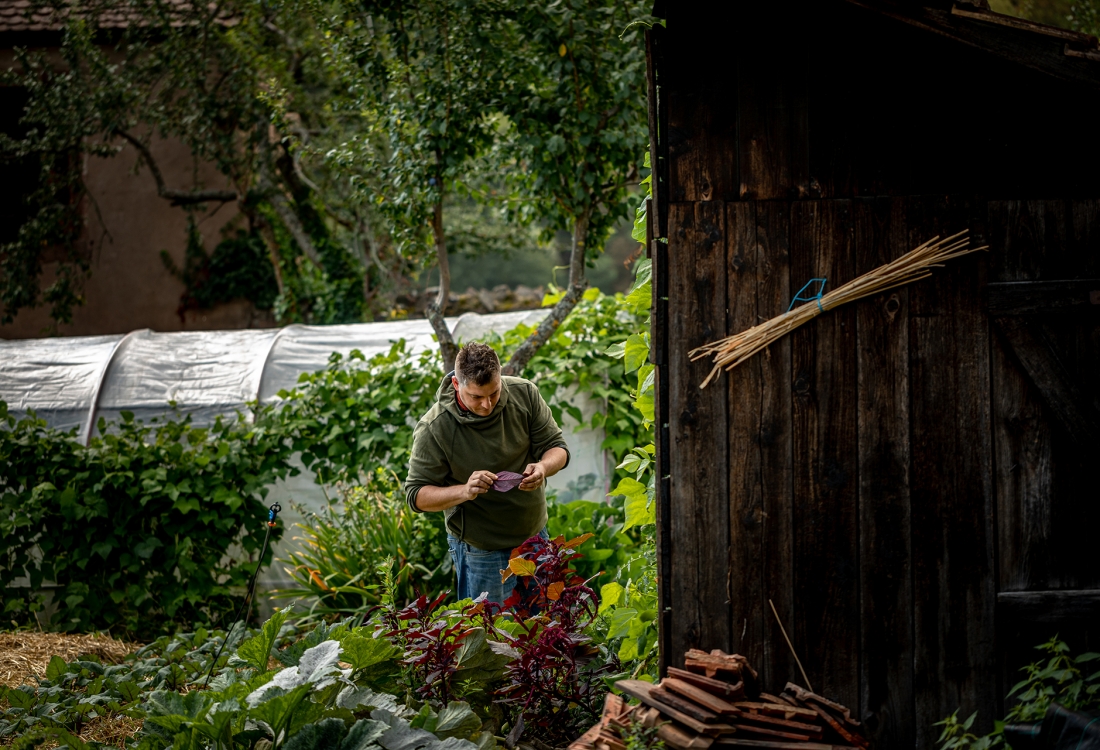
272,513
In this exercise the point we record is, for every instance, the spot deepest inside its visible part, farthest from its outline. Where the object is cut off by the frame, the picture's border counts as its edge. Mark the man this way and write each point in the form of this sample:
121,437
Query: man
483,423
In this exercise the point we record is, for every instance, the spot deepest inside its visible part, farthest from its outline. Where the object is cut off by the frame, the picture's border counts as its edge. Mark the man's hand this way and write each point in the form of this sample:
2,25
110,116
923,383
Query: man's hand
433,499
533,477
478,484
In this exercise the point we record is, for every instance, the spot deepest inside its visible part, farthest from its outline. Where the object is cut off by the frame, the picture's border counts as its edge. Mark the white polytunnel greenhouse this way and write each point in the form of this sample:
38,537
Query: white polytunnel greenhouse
71,382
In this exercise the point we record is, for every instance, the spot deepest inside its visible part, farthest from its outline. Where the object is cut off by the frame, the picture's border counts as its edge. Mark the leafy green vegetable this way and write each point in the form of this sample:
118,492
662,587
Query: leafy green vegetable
256,650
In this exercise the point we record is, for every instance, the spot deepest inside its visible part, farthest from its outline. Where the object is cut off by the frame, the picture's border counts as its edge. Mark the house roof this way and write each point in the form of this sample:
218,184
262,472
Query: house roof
19,15
1062,53
28,15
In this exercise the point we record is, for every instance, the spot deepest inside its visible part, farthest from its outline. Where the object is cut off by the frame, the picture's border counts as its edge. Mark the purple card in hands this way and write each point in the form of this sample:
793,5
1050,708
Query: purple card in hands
507,481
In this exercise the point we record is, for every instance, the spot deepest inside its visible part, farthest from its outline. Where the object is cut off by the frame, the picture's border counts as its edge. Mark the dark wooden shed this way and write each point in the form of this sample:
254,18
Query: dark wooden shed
912,479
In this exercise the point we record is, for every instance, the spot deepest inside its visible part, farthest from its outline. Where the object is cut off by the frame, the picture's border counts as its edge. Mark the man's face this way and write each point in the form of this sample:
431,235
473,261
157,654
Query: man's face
480,399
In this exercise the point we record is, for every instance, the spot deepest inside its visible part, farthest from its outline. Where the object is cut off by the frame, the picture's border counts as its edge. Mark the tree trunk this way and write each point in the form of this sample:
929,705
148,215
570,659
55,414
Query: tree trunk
292,223
447,348
277,198
577,286
259,223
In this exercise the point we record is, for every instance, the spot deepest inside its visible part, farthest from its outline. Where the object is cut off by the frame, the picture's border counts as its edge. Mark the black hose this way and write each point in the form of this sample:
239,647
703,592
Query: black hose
272,514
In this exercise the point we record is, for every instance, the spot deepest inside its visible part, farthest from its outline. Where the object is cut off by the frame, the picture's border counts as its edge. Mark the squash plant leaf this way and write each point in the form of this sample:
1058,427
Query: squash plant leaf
256,650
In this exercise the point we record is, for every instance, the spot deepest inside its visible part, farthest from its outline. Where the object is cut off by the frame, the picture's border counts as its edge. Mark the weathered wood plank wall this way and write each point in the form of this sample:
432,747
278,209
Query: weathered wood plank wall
890,475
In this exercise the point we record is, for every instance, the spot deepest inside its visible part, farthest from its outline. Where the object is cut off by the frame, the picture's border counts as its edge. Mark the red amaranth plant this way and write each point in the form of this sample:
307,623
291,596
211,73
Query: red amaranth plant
555,682
431,644
547,583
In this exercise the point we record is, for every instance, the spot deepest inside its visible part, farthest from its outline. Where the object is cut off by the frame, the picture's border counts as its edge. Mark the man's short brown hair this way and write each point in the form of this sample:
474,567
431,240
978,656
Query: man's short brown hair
476,362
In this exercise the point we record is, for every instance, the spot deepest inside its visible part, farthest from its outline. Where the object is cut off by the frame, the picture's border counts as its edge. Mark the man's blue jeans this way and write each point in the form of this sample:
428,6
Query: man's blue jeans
478,570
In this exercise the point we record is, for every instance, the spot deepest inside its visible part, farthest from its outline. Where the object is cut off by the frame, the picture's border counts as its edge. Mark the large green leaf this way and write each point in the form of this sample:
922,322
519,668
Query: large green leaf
639,511
256,650
640,296
363,698
402,736
363,652
637,351
56,669
621,619
476,659
278,710
326,734
456,719
364,735
611,595
318,668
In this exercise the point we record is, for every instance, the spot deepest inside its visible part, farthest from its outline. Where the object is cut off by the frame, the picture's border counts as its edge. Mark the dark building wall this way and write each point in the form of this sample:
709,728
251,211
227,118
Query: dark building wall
888,472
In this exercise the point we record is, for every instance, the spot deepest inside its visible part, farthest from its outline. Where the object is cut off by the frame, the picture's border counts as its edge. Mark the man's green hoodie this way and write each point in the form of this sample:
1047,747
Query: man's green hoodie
450,444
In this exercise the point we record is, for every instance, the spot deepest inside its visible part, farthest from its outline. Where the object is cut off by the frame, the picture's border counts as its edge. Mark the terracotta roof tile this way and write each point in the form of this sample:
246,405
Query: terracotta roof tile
20,15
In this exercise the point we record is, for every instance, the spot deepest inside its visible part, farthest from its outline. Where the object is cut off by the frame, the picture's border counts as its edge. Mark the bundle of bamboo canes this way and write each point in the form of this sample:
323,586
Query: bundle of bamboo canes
913,266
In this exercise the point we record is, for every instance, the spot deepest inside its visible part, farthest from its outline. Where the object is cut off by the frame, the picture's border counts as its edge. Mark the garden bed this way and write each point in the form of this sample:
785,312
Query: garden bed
24,654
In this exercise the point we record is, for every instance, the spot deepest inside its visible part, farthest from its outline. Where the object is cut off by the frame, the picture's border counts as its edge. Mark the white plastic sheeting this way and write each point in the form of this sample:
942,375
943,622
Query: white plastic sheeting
72,382
58,378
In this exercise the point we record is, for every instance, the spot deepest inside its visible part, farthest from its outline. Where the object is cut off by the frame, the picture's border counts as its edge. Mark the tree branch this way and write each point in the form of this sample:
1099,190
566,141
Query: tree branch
447,348
177,197
278,199
577,286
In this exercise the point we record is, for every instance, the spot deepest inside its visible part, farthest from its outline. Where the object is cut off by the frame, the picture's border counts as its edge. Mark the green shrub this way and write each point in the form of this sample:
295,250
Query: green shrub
344,546
134,529
608,550
1057,679
357,415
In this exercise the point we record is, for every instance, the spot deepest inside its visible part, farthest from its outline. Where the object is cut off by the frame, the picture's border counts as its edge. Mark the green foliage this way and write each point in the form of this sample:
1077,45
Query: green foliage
255,651
356,416
622,568
425,78
135,527
335,685
1084,16
607,551
576,107
238,268
1058,679
628,605
639,737
346,544
310,702
73,693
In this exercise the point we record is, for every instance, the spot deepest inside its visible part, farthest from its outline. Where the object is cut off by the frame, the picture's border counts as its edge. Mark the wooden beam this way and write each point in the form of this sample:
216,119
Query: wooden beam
1038,51
1052,607
1021,24
653,210
1035,297
1060,392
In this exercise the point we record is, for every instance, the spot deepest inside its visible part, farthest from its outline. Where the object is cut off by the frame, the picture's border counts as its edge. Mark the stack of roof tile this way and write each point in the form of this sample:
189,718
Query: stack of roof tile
716,702
18,15
24,15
